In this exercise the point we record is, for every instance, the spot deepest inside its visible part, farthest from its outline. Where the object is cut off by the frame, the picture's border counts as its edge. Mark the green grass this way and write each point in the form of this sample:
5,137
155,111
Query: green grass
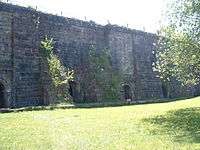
172,125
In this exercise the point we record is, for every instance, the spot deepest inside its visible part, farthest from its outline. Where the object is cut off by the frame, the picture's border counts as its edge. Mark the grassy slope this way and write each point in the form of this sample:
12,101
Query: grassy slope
173,125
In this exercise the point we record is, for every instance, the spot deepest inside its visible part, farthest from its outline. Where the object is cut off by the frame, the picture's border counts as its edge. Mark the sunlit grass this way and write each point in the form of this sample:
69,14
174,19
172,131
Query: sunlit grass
173,125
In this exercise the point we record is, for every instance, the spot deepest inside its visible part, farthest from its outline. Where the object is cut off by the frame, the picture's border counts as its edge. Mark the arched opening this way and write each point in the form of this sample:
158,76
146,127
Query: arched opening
72,89
127,92
3,103
164,90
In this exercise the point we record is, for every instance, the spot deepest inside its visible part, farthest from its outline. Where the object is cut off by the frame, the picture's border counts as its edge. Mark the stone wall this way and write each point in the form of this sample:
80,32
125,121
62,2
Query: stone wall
21,31
6,54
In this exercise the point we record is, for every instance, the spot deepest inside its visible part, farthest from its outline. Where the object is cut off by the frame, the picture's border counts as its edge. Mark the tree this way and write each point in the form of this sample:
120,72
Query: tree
178,54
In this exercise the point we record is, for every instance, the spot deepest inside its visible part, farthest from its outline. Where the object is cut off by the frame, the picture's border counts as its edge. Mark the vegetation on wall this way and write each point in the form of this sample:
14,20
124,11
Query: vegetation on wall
101,72
59,75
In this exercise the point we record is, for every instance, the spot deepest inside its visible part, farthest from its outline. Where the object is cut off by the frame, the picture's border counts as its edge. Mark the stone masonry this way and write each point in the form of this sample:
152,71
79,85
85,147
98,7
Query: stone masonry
22,29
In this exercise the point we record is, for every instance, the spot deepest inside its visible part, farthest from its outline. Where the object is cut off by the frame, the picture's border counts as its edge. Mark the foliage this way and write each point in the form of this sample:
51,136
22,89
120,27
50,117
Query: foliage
137,127
59,75
104,75
47,47
179,51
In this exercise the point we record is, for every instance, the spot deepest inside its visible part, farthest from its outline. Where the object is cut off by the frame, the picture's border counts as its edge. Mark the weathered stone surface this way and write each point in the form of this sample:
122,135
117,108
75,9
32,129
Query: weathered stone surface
22,29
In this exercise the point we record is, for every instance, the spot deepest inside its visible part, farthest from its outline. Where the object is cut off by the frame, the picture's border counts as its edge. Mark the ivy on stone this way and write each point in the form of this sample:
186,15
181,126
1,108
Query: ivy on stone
101,71
59,74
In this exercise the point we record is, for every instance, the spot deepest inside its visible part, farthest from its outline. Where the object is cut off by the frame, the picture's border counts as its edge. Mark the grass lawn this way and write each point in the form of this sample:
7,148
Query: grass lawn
172,125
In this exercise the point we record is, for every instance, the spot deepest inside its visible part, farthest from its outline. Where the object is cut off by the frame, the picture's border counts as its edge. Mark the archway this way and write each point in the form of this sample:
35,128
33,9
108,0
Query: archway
3,102
127,92
72,89
165,90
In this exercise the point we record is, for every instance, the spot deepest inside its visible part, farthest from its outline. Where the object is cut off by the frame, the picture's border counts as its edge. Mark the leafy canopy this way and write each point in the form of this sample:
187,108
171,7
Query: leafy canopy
179,46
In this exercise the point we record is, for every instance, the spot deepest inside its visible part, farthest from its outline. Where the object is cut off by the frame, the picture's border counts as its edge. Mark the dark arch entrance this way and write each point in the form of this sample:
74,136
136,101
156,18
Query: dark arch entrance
127,92
72,89
3,103
165,90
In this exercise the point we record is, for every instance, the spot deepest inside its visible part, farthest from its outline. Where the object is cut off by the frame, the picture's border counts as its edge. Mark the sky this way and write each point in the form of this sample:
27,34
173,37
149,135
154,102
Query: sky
144,15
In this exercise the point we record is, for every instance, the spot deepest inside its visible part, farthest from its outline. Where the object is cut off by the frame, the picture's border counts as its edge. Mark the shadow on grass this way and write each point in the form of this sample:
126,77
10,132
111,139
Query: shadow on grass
183,125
